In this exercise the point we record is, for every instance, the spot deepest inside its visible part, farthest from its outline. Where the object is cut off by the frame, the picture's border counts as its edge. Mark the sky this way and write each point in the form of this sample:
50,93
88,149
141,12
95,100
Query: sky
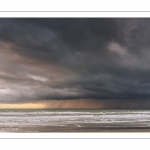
75,63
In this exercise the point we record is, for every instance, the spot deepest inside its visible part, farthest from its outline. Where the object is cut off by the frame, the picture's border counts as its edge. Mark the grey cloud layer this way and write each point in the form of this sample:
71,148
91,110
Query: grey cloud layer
58,58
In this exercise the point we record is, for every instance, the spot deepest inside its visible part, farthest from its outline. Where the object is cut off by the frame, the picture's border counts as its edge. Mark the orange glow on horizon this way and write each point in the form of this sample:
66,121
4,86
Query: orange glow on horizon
81,103
77,103
23,106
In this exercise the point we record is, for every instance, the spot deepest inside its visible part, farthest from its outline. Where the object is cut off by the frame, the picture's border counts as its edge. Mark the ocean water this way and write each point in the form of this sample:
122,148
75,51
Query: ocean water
72,120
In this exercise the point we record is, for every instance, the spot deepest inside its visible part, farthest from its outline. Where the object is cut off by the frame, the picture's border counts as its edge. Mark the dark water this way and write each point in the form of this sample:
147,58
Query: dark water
72,120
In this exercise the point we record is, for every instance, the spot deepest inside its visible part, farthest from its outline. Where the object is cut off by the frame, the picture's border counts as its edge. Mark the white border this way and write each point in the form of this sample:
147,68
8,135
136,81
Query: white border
75,14
78,144
74,5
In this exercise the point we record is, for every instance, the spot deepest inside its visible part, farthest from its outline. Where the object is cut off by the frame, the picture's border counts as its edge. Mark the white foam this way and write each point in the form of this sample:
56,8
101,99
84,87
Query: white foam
48,118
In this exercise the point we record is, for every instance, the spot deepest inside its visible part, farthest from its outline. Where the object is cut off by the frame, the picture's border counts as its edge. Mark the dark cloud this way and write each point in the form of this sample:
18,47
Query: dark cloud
74,58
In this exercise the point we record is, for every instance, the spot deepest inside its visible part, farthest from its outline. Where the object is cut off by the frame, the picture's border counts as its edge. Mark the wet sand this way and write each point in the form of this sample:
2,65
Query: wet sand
58,129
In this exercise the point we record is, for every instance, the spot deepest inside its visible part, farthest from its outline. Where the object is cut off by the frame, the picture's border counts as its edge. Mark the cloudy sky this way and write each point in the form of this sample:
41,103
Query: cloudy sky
75,63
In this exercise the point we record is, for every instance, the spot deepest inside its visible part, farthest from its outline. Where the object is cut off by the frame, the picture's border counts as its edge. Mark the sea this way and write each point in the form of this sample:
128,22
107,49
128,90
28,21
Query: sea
72,120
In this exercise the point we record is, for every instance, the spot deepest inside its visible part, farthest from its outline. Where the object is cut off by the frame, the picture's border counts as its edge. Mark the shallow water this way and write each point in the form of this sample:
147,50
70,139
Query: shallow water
71,120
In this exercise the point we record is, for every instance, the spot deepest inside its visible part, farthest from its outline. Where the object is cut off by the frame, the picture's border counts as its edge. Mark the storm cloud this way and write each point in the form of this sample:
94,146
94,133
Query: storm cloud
75,58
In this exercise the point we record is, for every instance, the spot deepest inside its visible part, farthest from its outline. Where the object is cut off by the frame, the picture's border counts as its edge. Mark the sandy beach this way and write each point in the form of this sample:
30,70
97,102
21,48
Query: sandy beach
49,129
